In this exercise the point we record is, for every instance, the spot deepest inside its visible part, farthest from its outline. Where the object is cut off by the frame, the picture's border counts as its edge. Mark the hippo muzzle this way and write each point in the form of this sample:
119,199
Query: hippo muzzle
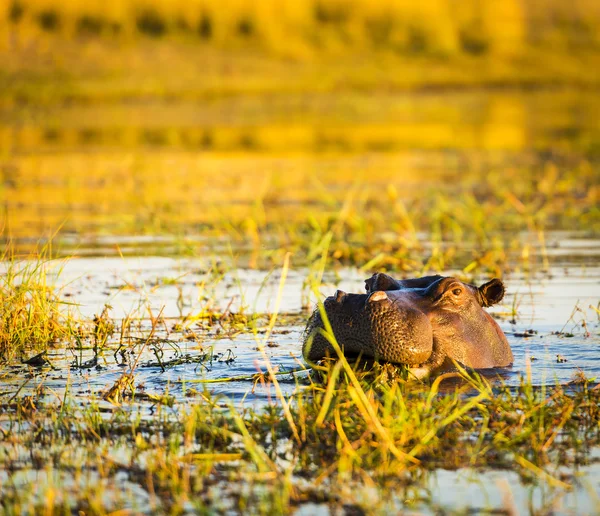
427,322
371,325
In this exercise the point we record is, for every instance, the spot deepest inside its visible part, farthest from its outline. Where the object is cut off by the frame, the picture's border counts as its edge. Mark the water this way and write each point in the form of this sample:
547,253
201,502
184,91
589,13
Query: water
550,320
537,314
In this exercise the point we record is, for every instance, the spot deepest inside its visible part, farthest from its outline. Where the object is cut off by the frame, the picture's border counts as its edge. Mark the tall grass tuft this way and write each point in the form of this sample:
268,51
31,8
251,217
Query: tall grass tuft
30,308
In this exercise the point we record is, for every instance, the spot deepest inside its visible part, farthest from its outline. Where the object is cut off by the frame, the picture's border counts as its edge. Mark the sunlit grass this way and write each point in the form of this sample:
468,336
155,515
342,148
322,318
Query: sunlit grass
32,314
316,185
51,53
345,428
356,431
480,223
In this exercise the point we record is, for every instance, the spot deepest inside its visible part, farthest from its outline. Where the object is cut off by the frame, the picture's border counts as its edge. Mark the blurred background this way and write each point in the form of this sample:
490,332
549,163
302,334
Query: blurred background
402,135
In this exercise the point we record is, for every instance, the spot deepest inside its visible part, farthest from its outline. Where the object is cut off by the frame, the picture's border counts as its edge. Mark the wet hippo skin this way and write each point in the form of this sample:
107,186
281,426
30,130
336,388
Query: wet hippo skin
423,323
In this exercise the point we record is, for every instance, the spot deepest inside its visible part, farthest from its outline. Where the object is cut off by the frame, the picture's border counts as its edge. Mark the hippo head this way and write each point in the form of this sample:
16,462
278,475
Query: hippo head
426,322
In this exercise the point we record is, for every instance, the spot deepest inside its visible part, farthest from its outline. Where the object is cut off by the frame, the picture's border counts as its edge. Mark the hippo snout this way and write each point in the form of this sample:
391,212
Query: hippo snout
401,332
371,325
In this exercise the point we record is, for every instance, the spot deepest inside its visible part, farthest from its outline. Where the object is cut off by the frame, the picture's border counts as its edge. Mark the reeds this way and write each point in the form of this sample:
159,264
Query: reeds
32,313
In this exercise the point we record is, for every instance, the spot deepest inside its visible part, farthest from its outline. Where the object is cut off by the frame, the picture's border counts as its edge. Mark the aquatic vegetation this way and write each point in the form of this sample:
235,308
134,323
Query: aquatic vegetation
337,138
349,431
106,441
32,313
424,229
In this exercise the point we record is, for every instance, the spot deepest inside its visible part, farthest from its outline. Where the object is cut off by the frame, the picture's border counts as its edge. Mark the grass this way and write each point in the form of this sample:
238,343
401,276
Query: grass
347,437
50,72
377,148
346,433
480,223
281,132
154,49
32,313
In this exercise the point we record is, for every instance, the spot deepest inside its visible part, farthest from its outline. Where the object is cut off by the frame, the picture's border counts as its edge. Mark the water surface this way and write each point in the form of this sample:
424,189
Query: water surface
160,203
550,319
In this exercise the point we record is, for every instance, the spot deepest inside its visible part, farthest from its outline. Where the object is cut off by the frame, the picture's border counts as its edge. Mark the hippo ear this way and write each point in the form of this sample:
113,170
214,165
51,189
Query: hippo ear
491,292
380,281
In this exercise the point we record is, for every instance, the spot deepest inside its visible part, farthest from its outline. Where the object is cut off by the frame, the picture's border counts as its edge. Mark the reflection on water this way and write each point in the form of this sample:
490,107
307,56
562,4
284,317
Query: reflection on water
176,167
491,120
474,491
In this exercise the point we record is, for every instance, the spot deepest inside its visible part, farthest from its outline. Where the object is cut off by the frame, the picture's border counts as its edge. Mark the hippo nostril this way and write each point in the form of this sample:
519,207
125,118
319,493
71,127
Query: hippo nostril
339,296
378,295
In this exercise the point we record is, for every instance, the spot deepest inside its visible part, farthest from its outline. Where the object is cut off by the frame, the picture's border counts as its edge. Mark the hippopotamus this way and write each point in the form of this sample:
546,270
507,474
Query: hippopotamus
424,323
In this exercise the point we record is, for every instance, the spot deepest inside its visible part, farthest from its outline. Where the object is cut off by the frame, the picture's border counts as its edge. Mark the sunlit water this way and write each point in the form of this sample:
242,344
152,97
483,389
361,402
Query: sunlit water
133,178
545,315
169,168
550,320
553,316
